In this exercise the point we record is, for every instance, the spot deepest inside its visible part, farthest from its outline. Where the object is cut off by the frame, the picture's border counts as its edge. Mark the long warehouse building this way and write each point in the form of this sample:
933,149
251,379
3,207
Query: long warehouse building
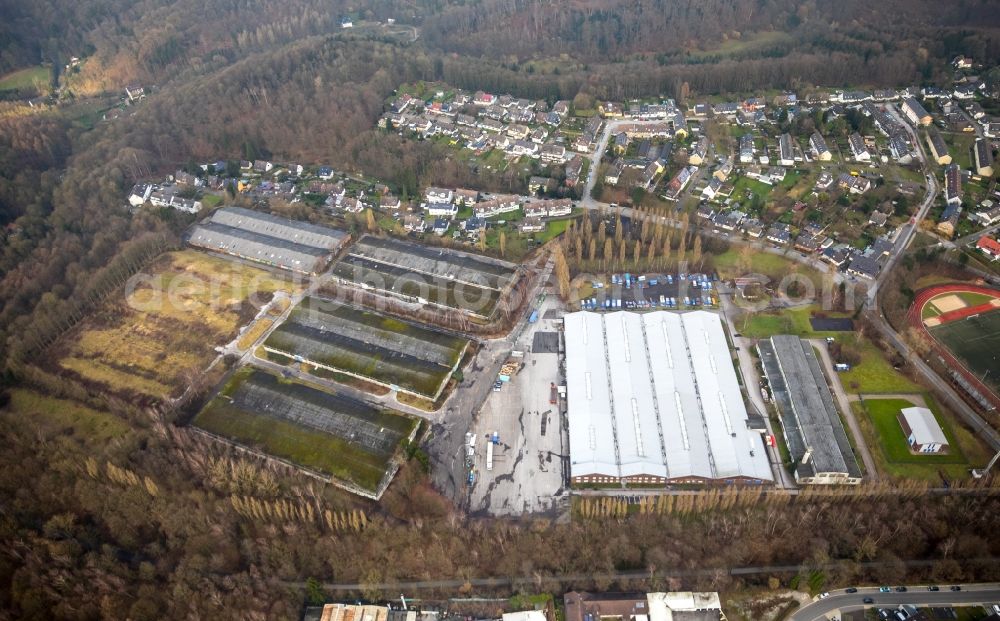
653,399
816,438
272,240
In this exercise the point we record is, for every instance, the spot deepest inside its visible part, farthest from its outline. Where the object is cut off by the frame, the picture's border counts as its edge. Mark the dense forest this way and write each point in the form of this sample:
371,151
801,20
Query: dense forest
110,512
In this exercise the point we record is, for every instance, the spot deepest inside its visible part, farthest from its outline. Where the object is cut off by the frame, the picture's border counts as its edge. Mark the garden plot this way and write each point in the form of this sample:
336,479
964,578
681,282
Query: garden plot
393,353
333,435
427,275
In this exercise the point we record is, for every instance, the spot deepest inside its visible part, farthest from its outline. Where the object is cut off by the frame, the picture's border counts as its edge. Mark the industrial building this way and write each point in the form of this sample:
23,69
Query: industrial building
272,240
673,606
922,431
813,431
653,398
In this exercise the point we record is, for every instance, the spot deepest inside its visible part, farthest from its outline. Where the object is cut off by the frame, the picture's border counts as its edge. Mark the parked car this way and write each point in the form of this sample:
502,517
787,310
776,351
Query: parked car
956,588
824,595
884,590
933,588
852,590
901,589
868,600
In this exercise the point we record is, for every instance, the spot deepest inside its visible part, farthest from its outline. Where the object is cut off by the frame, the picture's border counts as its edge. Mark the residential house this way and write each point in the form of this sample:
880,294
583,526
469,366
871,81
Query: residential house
878,218
466,197
824,181
573,170
817,144
915,112
786,154
953,184
746,148
698,152
518,132
938,148
989,246
836,255
961,62
163,198
705,212
983,156
483,99
680,181
614,173
552,154
446,210
949,219
932,92
413,223
730,220
724,170
389,202
441,226
439,195
140,193
986,217
611,110
497,206
899,148
858,149
712,189
531,225
779,234
967,90
536,183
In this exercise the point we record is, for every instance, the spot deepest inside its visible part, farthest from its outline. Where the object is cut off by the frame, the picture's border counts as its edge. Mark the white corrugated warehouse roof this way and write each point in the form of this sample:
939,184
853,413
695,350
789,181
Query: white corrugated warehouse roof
924,426
656,394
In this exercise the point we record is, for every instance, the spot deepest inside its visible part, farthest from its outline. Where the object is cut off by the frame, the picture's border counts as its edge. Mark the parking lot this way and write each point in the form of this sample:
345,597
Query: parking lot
527,474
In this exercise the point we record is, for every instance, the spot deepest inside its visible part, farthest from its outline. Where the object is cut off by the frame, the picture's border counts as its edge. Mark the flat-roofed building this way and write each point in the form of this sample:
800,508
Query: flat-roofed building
637,606
816,438
653,398
922,431
352,612
265,238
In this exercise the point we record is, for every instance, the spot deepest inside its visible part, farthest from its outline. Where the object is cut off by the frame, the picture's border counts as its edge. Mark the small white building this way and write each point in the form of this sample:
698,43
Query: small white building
922,431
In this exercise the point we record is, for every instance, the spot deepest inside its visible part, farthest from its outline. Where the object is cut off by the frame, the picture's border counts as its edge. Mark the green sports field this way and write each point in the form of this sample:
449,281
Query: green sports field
976,343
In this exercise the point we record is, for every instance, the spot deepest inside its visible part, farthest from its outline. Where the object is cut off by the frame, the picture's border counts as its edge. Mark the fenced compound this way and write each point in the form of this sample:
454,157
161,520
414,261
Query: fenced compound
361,344
420,274
351,441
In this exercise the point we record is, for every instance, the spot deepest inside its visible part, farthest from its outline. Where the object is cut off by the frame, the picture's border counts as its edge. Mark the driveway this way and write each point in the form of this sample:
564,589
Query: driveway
844,402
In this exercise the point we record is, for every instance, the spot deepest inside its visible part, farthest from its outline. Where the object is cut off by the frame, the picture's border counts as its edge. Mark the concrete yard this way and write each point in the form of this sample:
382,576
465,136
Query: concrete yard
528,474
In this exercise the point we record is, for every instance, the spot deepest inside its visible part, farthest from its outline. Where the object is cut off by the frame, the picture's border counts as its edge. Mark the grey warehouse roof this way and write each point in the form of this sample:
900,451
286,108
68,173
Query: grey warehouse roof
283,228
656,394
808,414
257,247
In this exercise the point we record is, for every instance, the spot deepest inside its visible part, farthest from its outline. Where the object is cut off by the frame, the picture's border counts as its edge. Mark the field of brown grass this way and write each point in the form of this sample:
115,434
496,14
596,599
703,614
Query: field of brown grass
153,340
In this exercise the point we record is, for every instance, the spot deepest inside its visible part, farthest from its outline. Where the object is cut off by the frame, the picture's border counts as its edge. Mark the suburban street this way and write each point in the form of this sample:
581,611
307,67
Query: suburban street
916,595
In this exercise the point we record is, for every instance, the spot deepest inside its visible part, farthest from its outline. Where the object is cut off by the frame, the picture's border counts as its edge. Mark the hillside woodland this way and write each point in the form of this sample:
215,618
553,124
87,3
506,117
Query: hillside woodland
110,512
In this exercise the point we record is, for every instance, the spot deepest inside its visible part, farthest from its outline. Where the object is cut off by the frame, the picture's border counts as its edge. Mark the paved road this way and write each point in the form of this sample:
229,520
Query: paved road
751,380
970,594
845,406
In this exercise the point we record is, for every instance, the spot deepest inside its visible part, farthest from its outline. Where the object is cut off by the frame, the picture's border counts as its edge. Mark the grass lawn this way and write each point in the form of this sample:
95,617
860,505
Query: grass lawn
960,147
552,230
155,340
880,427
791,321
875,374
774,266
68,416
27,78
210,201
